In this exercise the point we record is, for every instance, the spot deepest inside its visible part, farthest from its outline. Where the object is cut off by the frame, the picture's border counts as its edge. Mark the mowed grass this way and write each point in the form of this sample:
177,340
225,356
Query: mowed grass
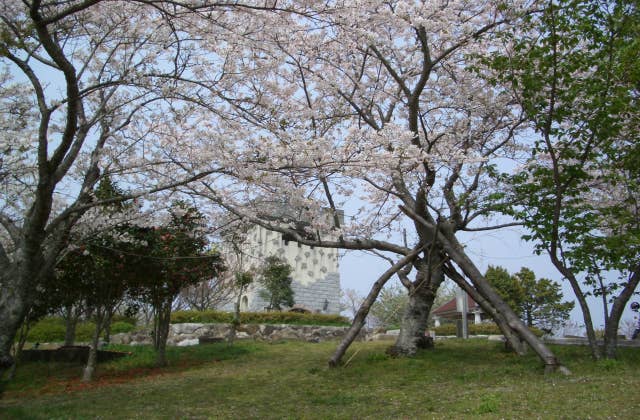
457,379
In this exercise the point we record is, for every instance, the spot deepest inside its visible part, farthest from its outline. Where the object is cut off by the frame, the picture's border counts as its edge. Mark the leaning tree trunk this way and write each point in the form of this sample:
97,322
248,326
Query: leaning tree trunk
447,240
582,301
363,311
513,339
421,296
454,250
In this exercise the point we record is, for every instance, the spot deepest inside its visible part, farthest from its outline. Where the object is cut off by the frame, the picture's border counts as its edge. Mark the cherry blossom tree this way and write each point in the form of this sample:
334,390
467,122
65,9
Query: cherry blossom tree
88,88
376,103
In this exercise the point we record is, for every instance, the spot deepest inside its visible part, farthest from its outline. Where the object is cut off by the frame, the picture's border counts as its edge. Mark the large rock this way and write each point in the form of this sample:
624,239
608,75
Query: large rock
250,329
496,337
188,328
188,342
121,338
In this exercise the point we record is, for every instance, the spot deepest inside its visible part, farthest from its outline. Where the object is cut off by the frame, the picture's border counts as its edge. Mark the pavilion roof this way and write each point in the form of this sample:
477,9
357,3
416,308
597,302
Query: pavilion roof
450,309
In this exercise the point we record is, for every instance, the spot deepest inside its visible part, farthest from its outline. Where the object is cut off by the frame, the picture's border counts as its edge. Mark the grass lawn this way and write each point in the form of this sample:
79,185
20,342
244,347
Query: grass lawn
457,379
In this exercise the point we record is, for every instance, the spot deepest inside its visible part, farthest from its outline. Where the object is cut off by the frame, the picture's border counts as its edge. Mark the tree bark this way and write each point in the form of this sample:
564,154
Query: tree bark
162,333
19,346
92,359
613,321
236,320
71,322
107,325
582,301
13,310
414,322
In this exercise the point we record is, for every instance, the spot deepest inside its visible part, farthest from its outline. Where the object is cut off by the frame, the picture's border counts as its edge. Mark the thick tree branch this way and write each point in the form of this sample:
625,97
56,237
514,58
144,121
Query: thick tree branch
11,227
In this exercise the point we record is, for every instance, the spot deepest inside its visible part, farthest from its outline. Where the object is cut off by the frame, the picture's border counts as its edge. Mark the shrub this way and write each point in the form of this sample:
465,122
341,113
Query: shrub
485,328
52,329
121,327
47,330
124,318
180,317
84,331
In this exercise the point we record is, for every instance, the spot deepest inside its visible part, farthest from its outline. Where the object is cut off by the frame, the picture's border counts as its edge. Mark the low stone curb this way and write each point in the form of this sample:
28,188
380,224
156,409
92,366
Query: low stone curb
195,333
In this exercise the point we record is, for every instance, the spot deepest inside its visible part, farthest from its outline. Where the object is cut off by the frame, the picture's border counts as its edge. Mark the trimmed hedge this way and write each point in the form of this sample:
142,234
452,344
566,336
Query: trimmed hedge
213,317
52,329
477,329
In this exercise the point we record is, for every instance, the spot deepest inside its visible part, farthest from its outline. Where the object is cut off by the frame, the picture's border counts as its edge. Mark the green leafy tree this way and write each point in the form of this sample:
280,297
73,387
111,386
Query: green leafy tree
276,280
577,78
542,304
172,257
507,286
537,301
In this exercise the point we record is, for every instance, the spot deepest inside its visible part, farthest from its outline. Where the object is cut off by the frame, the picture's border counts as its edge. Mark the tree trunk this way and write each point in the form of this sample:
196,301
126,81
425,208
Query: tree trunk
107,325
235,321
71,322
13,310
447,240
92,360
363,311
414,321
19,346
584,306
162,333
613,320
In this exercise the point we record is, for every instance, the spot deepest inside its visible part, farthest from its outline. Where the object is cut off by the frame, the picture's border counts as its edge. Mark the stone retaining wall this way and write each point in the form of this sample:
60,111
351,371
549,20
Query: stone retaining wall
190,333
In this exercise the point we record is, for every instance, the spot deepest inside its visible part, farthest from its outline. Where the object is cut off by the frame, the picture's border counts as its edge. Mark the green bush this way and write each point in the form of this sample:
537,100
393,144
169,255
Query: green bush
123,318
47,330
486,328
181,317
121,327
52,329
84,331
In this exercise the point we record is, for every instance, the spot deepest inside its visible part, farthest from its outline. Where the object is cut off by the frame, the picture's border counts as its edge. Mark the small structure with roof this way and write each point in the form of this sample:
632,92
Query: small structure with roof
450,311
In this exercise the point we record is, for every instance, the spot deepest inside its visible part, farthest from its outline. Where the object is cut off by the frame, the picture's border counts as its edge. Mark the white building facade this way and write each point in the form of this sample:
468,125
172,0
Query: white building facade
315,274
